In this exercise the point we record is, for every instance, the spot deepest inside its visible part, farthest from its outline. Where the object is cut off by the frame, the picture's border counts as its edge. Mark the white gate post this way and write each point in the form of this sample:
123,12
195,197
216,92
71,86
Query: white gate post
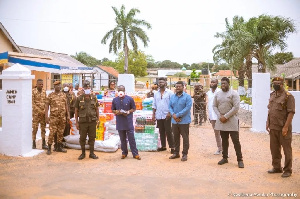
260,99
15,137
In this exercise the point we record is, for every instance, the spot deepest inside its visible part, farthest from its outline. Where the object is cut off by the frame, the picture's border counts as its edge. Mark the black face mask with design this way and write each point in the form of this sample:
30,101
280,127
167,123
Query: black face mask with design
276,87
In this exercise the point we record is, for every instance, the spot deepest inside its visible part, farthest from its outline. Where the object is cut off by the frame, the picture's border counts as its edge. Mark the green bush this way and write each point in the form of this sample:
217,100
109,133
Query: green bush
246,99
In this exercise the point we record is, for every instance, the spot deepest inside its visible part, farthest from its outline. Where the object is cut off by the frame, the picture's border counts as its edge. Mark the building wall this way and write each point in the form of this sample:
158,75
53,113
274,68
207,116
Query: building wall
45,76
5,44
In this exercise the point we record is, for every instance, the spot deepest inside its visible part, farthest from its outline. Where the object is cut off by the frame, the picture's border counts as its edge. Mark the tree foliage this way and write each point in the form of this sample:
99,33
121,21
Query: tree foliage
195,76
137,63
86,59
180,74
282,58
169,64
127,31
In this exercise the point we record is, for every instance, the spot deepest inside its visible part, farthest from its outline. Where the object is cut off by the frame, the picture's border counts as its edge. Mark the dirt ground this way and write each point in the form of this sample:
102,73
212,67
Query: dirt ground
61,175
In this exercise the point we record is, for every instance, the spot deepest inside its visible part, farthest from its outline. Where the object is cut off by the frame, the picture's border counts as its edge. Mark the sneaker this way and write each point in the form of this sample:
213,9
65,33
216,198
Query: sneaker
218,152
286,174
223,161
241,164
273,170
123,156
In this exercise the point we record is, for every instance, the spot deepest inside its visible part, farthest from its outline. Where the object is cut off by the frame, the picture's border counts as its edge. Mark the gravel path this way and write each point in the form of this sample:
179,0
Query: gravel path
155,176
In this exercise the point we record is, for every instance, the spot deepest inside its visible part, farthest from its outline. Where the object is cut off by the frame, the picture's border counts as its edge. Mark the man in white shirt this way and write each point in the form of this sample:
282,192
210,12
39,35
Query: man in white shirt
212,115
162,114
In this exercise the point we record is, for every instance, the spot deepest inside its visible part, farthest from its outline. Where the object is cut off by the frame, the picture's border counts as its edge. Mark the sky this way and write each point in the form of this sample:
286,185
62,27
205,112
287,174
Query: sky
182,31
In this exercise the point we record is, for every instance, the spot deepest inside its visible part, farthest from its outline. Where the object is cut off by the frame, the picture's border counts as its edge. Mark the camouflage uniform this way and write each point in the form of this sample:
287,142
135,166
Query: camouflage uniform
58,111
72,101
38,112
199,106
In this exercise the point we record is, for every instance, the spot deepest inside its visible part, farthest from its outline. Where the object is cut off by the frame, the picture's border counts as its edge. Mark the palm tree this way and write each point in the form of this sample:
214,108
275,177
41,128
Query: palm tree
127,30
268,33
230,49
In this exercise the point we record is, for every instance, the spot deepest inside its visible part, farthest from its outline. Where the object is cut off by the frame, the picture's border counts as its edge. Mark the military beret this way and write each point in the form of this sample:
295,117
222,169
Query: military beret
277,79
56,82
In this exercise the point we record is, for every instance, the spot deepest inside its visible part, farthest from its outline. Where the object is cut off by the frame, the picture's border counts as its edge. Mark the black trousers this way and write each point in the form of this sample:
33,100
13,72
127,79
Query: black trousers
183,130
164,126
236,142
87,128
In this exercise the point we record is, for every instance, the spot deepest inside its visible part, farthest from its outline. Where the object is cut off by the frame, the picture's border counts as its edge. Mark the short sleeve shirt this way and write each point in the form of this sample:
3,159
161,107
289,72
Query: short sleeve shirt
280,104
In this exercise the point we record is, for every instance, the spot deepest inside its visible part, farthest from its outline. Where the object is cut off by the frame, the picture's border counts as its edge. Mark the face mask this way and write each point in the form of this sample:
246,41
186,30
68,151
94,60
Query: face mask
87,91
66,89
121,93
276,87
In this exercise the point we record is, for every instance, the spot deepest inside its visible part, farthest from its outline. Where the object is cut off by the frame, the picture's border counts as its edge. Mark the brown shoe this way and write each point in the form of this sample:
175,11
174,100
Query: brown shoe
123,156
137,157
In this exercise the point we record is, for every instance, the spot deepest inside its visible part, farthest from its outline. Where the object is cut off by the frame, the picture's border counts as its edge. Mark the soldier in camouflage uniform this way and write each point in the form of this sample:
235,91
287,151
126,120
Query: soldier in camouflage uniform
38,113
86,109
72,100
58,110
199,106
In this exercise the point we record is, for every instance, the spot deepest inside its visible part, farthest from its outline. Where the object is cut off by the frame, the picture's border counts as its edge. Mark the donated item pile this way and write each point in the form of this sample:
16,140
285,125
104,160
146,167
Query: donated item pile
107,138
146,135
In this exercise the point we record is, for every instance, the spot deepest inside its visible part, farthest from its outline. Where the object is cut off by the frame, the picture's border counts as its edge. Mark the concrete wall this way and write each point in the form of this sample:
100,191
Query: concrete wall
45,76
260,99
296,119
5,44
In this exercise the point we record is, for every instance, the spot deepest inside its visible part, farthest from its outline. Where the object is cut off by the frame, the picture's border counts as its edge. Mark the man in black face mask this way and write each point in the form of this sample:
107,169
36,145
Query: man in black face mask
279,125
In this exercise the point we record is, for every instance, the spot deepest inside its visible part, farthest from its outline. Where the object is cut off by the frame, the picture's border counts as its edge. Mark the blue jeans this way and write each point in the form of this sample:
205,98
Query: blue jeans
130,135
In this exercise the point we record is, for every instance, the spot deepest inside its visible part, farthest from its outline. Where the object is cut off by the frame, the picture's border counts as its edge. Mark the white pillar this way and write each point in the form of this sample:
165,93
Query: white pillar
15,137
127,80
260,99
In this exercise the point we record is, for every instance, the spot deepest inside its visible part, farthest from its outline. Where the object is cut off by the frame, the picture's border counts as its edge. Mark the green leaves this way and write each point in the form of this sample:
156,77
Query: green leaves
127,30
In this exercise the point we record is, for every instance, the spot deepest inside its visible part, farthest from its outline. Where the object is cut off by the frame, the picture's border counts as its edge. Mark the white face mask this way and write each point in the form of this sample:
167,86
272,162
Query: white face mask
121,93
87,91
66,89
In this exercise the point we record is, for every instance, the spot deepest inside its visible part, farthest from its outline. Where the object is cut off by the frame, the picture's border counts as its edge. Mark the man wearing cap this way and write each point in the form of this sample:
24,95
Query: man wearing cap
86,108
38,113
279,125
58,111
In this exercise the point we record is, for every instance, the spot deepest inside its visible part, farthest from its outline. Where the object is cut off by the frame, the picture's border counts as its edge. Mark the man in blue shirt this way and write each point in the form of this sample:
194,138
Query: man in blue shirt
123,106
180,109
161,113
